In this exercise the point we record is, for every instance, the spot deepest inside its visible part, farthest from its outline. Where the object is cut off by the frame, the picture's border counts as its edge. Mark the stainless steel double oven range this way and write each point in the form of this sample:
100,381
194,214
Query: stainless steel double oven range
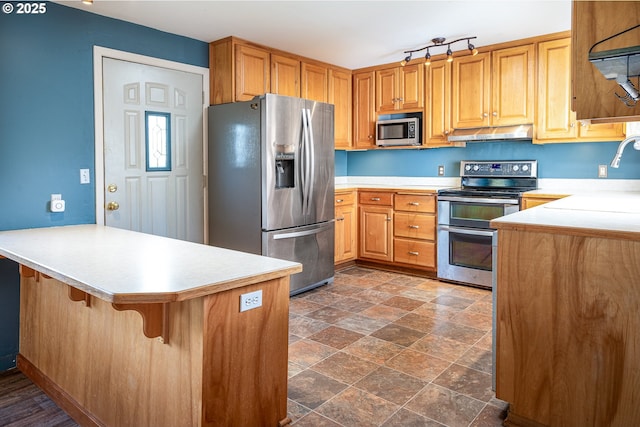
489,189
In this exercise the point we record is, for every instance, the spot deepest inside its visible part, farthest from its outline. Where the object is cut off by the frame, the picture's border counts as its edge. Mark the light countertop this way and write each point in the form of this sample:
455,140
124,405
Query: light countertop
600,214
123,266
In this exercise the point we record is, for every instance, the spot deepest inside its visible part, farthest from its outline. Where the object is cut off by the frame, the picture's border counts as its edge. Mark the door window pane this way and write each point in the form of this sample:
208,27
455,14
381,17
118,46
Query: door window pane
158,141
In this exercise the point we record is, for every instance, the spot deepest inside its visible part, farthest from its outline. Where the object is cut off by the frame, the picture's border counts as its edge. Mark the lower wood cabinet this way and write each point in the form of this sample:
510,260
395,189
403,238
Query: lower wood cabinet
346,231
398,228
414,225
376,225
530,201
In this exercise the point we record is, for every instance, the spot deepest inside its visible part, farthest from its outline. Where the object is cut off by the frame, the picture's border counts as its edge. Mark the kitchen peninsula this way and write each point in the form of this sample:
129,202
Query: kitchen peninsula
128,329
568,297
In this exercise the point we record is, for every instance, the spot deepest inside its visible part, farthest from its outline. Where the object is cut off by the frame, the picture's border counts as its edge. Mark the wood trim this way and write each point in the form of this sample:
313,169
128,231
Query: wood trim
26,271
76,294
57,394
155,319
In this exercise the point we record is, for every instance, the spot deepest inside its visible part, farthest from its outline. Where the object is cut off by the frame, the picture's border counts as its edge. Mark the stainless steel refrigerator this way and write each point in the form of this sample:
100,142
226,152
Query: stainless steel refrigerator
271,182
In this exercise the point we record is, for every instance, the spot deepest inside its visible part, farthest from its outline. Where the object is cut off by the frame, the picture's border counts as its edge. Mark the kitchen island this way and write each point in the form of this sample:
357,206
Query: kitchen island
128,329
568,298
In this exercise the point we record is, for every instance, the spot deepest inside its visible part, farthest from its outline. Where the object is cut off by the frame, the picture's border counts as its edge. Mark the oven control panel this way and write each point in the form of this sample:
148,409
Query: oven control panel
519,168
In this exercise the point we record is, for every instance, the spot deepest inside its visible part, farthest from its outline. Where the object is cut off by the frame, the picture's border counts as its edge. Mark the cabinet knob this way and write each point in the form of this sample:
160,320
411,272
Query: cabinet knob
484,115
340,219
446,132
339,200
388,219
495,114
370,137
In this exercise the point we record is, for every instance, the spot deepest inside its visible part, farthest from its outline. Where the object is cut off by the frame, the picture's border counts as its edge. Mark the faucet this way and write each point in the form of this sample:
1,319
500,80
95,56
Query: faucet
615,163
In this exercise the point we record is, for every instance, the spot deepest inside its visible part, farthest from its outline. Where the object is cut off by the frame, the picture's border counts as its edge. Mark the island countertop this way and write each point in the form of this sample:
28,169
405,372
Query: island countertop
122,266
608,215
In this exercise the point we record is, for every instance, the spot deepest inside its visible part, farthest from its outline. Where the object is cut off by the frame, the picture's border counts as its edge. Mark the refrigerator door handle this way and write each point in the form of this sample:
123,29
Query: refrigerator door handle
305,160
312,162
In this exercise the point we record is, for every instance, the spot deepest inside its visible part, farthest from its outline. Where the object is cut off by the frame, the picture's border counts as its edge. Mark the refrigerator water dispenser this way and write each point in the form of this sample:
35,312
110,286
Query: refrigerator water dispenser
285,171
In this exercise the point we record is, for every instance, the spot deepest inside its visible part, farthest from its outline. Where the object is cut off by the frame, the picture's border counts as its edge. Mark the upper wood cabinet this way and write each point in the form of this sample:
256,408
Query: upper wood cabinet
315,82
364,114
494,88
555,122
437,118
400,88
593,21
340,95
285,75
252,72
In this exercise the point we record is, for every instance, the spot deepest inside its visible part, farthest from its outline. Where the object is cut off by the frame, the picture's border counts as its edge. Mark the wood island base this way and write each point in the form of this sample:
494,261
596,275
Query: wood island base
217,366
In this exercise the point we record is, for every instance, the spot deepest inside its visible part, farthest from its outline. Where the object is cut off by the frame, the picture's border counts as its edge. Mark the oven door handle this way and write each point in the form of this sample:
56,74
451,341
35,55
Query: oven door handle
478,200
460,230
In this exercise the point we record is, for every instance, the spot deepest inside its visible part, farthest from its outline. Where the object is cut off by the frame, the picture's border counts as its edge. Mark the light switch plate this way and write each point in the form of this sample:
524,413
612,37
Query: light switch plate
85,177
602,171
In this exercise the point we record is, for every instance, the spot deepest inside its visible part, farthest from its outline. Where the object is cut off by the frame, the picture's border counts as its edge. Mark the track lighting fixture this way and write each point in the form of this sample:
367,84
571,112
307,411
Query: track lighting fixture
436,42
87,1
405,60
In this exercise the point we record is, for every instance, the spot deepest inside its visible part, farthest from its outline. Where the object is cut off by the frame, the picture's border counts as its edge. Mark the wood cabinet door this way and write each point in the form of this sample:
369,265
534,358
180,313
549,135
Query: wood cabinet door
340,95
471,90
411,90
376,233
315,82
601,131
252,72
345,244
437,122
285,75
387,90
554,117
364,114
513,85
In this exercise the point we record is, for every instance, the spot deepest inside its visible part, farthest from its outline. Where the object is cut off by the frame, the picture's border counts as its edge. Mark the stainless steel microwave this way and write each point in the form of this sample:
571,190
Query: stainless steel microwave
405,131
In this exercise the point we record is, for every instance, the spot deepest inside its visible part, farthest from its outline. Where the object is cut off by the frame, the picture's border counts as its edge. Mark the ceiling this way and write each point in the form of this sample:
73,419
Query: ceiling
351,34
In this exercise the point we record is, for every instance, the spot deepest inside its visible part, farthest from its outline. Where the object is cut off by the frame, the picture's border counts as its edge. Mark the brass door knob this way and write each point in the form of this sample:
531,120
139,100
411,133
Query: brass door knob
113,206
112,188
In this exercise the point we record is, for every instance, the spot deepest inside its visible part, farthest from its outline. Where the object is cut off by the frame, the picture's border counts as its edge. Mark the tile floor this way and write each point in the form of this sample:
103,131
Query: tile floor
386,349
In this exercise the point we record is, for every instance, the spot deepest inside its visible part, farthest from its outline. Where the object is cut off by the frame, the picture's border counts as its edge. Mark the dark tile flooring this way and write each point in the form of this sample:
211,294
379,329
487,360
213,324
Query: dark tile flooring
372,349
386,349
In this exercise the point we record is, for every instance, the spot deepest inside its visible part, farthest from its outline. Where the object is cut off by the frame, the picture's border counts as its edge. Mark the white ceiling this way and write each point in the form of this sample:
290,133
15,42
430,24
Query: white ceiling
351,34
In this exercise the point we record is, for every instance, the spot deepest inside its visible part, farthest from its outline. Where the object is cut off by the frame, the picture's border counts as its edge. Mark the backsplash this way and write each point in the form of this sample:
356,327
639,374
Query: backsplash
568,160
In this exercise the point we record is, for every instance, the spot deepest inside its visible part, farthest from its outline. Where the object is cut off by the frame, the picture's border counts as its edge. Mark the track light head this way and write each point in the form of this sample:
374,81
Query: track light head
472,49
427,59
405,60
449,54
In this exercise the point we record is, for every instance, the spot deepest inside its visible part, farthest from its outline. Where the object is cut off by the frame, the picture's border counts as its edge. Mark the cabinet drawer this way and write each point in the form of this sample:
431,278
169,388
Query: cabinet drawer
375,198
416,226
415,203
342,199
414,252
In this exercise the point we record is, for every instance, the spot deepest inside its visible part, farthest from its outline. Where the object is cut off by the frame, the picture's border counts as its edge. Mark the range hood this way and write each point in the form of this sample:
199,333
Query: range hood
500,133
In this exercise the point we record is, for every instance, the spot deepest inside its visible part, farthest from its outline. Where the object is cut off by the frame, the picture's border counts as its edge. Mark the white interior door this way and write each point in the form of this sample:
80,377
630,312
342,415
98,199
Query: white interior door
153,150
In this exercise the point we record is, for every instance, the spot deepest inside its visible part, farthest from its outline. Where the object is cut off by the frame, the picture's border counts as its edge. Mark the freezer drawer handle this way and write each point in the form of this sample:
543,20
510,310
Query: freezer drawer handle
299,233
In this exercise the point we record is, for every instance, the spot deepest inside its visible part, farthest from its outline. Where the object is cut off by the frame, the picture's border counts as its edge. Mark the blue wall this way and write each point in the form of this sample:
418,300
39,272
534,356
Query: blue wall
47,129
46,122
570,160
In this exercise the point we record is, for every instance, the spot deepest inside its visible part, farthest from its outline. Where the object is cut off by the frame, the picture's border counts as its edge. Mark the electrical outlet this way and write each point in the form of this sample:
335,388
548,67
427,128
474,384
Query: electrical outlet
602,171
441,170
251,300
